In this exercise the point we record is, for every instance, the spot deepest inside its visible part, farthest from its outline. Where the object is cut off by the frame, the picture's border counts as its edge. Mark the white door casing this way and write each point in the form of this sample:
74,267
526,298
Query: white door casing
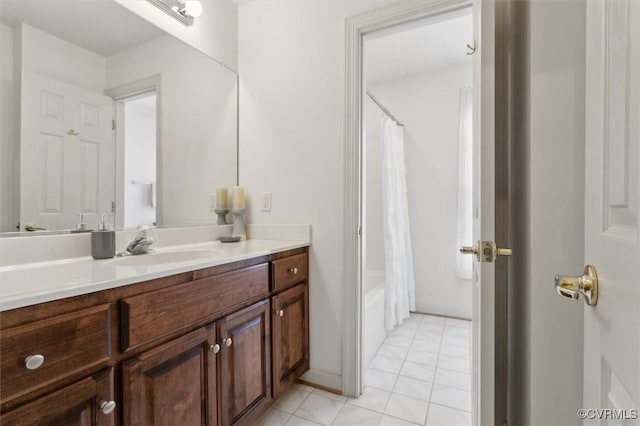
66,154
612,203
484,387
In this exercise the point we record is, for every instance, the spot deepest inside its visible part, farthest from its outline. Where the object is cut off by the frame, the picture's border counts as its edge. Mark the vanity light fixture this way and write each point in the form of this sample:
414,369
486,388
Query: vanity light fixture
184,11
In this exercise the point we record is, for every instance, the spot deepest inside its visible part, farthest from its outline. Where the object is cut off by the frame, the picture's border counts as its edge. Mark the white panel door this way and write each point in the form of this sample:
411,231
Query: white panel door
612,203
67,154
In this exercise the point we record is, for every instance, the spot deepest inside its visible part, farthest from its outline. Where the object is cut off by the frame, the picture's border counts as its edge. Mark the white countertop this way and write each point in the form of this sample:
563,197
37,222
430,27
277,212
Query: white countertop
32,283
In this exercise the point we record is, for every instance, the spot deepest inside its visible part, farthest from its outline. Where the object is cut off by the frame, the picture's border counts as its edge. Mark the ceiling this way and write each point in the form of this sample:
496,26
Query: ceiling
417,48
101,26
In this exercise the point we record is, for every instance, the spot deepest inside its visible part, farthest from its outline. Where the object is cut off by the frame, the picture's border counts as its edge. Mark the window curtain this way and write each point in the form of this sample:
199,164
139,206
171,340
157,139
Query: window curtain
465,182
399,282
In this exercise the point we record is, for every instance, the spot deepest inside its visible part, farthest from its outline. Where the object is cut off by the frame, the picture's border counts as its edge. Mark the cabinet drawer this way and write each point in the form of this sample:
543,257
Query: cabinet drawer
289,271
69,343
148,316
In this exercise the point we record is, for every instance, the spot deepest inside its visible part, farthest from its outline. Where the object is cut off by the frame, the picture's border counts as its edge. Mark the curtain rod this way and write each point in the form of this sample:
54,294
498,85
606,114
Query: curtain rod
382,107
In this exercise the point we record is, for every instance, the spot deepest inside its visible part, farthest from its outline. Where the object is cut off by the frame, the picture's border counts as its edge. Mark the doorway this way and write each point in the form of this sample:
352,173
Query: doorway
416,211
136,141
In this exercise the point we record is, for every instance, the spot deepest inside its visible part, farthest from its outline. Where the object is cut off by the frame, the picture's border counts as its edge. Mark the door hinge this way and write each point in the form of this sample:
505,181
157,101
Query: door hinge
113,207
359,232
113,124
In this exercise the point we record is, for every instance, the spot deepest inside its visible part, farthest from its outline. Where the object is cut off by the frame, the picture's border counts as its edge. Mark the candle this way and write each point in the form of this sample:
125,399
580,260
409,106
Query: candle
238,197
222,199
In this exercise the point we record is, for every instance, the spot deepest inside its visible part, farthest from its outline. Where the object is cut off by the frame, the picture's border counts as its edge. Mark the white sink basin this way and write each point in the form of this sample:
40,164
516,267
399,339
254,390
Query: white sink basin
164,257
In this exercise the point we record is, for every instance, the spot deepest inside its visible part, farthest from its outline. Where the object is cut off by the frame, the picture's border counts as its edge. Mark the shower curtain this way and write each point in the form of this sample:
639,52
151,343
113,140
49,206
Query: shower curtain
399,282
465,183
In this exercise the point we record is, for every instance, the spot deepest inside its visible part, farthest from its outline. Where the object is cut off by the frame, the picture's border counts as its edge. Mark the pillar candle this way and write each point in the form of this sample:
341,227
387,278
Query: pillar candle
238,197
222,199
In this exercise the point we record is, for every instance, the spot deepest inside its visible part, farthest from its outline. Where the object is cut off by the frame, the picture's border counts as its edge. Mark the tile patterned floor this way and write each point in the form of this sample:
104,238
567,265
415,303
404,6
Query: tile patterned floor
420,376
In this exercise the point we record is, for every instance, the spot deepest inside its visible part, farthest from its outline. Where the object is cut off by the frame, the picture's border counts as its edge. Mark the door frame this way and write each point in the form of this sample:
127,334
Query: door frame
492,408
120,94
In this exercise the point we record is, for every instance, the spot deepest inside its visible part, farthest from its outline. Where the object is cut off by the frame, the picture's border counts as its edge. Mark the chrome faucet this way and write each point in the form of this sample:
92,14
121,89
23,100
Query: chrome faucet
142,242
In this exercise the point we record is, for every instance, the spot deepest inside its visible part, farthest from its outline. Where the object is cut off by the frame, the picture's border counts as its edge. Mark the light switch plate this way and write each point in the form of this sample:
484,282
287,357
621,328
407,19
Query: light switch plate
266,202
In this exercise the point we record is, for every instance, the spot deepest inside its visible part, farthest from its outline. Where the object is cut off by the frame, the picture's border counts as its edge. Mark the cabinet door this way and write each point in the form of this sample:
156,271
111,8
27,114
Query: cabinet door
245,363
290,322
173,384
87,402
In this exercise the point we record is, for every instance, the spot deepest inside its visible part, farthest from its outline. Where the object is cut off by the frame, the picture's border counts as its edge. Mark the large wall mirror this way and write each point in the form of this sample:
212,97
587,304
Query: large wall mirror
102,112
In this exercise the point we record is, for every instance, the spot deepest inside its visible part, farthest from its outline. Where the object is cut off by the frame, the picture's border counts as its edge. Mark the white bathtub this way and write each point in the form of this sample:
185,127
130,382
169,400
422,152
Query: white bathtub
373,329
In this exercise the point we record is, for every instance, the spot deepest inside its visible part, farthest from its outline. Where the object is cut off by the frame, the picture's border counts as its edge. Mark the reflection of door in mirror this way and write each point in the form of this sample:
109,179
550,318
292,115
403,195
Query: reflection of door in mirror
66,141
136,157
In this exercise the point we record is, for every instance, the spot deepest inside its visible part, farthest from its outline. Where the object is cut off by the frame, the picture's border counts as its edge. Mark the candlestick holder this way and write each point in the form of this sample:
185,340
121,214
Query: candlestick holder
238,224
222,216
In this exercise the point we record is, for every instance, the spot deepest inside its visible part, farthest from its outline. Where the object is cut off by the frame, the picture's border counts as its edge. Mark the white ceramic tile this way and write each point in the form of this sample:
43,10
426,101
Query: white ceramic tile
456,364
350,415
379,379
412,321
451,397
273,417
383,363
449,340
331,395
403,341
418,371
454,379
393,421
299,421
403,331
422,357
320,409
393,351
291,400
445,416
372,399
425,345
407,408
455,351
458,332
429,334
418,389
302,387
453,322
431,319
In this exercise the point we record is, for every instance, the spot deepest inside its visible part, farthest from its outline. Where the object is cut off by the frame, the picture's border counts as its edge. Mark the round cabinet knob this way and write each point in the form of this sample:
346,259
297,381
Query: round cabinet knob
228,341
33,362
294,270
107,407
280,313
215,348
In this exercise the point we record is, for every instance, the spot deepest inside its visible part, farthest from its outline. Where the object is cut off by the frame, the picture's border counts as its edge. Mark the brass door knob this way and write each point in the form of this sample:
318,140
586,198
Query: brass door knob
585,284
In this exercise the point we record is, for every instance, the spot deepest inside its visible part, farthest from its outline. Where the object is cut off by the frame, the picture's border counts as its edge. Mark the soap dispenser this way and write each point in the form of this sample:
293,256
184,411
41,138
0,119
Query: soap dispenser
103,241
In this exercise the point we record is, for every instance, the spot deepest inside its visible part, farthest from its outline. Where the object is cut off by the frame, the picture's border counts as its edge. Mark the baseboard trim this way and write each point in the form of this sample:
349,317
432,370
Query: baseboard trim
424,312
324,380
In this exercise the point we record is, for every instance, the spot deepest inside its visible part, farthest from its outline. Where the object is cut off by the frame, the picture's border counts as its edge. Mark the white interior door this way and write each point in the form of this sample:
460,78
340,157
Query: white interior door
483,342
66,153
612,237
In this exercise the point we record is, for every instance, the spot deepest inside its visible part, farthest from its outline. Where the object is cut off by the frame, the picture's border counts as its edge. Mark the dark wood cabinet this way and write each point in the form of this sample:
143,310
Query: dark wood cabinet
87,402
245,362
207,347
174,383
290,328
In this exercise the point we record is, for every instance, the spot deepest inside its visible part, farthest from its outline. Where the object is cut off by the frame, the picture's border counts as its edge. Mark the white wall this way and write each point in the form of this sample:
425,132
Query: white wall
58,59
215,33
291,64
546,330
9,139
197,136
139,162
427,105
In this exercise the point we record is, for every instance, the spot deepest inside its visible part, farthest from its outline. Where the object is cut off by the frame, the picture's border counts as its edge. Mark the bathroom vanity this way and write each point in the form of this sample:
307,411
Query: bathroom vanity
212,344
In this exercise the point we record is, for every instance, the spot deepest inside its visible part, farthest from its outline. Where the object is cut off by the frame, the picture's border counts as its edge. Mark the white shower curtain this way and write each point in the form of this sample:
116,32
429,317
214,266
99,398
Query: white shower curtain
399,283
465,182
